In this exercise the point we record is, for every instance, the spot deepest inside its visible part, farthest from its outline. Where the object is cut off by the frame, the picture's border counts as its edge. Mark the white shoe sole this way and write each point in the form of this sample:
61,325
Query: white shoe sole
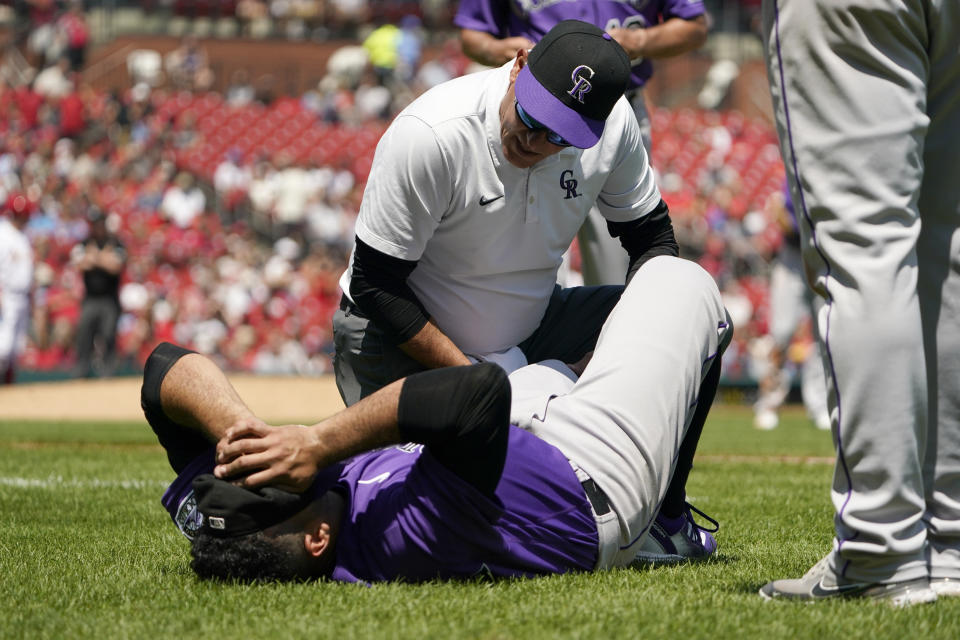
655,558
947,587
910,598
906,599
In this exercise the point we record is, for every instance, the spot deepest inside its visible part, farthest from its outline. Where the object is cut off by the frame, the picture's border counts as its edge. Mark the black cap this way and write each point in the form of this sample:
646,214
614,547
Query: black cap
230,511
573,77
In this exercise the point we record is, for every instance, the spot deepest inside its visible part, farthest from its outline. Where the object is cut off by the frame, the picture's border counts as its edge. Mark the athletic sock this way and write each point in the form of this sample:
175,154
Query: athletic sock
675,501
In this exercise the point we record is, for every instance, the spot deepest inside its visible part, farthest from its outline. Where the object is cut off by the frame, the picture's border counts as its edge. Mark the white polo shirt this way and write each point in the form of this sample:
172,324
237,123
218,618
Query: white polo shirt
489,237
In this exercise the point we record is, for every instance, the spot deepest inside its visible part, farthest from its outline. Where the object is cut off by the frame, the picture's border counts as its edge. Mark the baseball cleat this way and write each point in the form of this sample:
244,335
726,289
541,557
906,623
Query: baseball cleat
680,539
821,583
945,586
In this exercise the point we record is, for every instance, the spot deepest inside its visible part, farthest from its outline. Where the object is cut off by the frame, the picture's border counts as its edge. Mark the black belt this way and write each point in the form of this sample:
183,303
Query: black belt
596,497
348,307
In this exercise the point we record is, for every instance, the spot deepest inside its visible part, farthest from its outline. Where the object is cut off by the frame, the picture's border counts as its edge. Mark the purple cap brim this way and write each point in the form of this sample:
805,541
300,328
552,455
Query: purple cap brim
546,109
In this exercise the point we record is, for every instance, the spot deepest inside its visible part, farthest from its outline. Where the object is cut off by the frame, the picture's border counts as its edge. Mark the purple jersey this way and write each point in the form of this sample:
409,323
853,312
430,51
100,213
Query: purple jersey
533,18
410,517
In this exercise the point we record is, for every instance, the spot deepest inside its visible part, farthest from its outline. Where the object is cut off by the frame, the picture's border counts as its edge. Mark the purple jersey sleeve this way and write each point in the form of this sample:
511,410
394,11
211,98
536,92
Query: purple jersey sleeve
533,19
483,15
686,9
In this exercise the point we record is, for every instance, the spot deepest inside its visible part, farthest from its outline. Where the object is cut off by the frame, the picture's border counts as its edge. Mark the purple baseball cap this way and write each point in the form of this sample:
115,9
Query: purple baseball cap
572,79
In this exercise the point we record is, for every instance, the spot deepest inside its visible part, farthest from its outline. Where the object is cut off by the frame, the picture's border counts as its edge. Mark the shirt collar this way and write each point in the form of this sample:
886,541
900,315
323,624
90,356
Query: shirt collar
496,87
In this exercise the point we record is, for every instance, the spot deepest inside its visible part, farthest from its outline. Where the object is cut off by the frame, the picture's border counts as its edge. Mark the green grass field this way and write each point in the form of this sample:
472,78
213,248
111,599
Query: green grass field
87,551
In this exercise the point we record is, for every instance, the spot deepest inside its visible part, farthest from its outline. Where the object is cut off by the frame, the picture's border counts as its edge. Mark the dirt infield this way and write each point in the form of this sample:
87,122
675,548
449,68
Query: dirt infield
275,399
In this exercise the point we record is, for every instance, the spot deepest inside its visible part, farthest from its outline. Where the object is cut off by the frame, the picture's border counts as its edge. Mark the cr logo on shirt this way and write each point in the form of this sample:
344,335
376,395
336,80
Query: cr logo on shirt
568,182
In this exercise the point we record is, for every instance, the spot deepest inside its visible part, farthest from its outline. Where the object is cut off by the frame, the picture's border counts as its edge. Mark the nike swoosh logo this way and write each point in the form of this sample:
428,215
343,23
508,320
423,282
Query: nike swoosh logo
380,478
819,591
484,201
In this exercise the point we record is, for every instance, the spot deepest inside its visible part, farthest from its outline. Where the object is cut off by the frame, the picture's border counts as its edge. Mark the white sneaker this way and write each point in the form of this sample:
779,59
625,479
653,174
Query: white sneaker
766,419
821,583
680,539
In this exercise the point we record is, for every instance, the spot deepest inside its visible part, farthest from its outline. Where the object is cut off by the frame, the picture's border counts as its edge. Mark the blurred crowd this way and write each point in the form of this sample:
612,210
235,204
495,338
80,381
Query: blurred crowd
254,300
235,211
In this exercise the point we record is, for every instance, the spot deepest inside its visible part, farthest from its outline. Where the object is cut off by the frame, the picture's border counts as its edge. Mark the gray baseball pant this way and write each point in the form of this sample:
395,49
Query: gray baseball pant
866,95
624,420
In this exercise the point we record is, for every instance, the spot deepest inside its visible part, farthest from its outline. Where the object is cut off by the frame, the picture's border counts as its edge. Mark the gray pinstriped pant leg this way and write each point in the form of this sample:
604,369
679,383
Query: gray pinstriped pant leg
624,420
866,98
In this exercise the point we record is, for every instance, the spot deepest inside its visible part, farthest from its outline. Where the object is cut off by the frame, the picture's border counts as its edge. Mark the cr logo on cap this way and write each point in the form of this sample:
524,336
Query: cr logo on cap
581,84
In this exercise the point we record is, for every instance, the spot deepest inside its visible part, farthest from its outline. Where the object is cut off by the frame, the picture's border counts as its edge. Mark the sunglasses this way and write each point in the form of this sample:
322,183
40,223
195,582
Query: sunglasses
533,125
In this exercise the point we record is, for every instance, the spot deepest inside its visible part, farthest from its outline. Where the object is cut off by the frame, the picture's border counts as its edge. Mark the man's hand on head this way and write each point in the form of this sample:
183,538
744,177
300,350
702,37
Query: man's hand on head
254,454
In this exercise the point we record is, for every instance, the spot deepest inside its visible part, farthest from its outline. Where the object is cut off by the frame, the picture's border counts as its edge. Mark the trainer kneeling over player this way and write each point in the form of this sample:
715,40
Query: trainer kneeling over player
594,479
476,191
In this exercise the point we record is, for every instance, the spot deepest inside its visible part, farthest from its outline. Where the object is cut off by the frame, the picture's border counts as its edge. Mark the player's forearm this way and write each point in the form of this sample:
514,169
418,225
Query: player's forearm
197,394
254,454
433,349
671,38
366,425
487,49
379,288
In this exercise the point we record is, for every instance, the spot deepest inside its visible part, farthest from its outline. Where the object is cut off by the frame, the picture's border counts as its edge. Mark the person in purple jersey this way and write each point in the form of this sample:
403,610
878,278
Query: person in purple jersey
578,488
493,30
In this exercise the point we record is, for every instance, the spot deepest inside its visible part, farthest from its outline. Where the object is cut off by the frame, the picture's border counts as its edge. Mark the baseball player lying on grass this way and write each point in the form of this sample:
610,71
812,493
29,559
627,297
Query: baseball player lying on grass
578,488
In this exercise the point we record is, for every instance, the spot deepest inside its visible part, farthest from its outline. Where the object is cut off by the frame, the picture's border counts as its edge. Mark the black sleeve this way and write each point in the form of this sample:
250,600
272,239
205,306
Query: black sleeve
462,415
181,443
646,237
378,286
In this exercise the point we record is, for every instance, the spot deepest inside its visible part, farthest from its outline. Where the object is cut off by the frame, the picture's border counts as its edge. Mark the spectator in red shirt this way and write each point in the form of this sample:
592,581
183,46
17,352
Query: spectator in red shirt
28,104
73,26
73,119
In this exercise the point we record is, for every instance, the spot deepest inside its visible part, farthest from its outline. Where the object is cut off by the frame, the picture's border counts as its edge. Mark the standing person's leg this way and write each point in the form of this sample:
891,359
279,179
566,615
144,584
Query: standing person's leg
627,416
86,333
787,289
109,317
848,91
603,259
14,322
813,377
365,359
939,273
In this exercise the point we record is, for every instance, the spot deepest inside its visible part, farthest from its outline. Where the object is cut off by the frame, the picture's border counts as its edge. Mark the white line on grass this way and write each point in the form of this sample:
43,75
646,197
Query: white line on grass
59,482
